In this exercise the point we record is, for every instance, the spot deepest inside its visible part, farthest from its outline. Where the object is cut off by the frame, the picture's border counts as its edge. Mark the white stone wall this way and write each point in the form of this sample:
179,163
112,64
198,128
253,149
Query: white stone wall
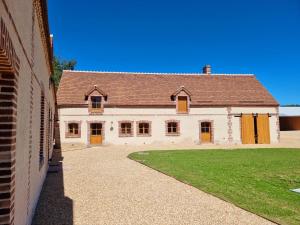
189,124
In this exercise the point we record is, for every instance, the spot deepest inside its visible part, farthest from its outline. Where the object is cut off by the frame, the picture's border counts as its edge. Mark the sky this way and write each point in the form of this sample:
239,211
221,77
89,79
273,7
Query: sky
260,37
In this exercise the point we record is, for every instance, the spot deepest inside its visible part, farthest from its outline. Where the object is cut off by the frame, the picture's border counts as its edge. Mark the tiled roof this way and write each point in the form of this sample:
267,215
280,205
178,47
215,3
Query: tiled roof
142,89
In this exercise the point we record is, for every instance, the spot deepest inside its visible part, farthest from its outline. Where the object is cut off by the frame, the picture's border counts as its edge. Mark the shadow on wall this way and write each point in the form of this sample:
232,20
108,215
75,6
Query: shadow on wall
54,207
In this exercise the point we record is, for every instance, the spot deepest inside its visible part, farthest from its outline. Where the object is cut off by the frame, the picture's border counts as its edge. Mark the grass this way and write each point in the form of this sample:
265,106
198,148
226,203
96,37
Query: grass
257,180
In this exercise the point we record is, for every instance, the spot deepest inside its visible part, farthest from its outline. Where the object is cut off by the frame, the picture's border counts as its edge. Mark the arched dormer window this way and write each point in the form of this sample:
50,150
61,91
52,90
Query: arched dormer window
182,98
96,99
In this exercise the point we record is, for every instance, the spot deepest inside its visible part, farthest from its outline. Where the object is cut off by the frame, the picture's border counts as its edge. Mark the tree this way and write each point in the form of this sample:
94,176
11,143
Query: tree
58,67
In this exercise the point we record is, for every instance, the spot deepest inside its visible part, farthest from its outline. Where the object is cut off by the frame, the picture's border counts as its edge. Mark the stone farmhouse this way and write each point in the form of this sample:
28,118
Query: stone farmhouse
27,107
142,108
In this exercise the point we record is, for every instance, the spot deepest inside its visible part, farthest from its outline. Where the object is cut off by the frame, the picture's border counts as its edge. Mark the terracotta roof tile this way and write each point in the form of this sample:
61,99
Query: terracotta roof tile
128,89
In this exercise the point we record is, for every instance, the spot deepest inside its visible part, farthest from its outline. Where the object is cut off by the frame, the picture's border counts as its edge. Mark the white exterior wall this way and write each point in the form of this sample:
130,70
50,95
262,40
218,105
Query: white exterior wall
189,124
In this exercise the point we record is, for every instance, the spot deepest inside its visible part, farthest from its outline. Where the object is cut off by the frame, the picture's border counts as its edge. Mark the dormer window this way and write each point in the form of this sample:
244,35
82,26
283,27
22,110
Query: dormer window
96,99
182,104
182,98
96,102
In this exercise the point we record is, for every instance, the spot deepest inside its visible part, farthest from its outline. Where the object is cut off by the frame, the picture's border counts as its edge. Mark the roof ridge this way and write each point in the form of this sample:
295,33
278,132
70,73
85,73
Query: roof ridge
157,73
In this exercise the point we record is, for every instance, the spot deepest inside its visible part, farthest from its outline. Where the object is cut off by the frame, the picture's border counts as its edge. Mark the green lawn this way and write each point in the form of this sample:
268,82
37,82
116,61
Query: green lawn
254,179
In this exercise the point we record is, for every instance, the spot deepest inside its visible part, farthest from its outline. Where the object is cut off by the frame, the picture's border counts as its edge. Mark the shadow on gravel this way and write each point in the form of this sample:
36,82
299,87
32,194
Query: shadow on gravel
54,208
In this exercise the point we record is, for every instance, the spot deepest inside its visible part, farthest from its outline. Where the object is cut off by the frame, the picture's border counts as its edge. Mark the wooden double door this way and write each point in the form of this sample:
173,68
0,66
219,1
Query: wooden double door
255,129
96,133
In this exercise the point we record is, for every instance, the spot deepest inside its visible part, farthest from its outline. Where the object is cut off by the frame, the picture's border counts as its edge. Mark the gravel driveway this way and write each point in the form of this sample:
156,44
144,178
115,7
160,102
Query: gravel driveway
102,186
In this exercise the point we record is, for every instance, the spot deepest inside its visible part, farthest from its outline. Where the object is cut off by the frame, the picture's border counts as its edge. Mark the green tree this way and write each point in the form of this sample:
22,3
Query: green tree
58,67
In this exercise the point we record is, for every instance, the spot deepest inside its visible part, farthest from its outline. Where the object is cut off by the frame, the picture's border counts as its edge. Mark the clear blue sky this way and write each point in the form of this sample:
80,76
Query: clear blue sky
234,36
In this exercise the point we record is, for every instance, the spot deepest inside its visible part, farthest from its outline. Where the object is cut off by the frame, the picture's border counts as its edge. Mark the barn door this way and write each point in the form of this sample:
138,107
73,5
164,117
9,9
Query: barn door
248,129
263,129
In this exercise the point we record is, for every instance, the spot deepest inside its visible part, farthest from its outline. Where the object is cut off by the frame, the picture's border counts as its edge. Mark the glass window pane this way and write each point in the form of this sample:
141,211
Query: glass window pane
126,128
172,127
73,128
96,101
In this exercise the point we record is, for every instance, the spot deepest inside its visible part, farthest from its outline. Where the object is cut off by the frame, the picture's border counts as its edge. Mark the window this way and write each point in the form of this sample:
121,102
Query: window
42,129
205,127
96,102
125,128
182,104
172,128
96,99
96,128
143,128
73,129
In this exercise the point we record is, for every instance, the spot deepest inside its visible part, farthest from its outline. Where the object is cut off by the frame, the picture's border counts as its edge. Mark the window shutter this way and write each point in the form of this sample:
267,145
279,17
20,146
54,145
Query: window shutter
182,104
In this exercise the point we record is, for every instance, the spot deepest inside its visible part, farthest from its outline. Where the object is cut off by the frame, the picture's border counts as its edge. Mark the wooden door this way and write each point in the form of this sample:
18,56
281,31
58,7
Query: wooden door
96,133
263,129
247,129
205,134
182,104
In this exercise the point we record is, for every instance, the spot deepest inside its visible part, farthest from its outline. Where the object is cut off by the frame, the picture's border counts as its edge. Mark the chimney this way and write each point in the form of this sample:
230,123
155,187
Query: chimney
207,69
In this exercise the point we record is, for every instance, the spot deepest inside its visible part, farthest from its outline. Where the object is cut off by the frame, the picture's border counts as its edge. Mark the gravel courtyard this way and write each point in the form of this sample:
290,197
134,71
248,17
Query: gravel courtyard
101,185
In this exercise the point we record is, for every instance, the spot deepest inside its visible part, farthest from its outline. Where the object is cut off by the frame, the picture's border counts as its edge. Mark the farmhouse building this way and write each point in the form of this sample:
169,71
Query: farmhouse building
27,107
139,108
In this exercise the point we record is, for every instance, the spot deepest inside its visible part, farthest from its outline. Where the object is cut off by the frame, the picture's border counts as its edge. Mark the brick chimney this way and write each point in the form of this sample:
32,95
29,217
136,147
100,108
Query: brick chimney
207,69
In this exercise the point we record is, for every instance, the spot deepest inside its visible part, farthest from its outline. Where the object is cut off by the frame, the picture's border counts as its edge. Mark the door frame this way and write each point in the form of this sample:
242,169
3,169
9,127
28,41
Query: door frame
211,130
89,130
